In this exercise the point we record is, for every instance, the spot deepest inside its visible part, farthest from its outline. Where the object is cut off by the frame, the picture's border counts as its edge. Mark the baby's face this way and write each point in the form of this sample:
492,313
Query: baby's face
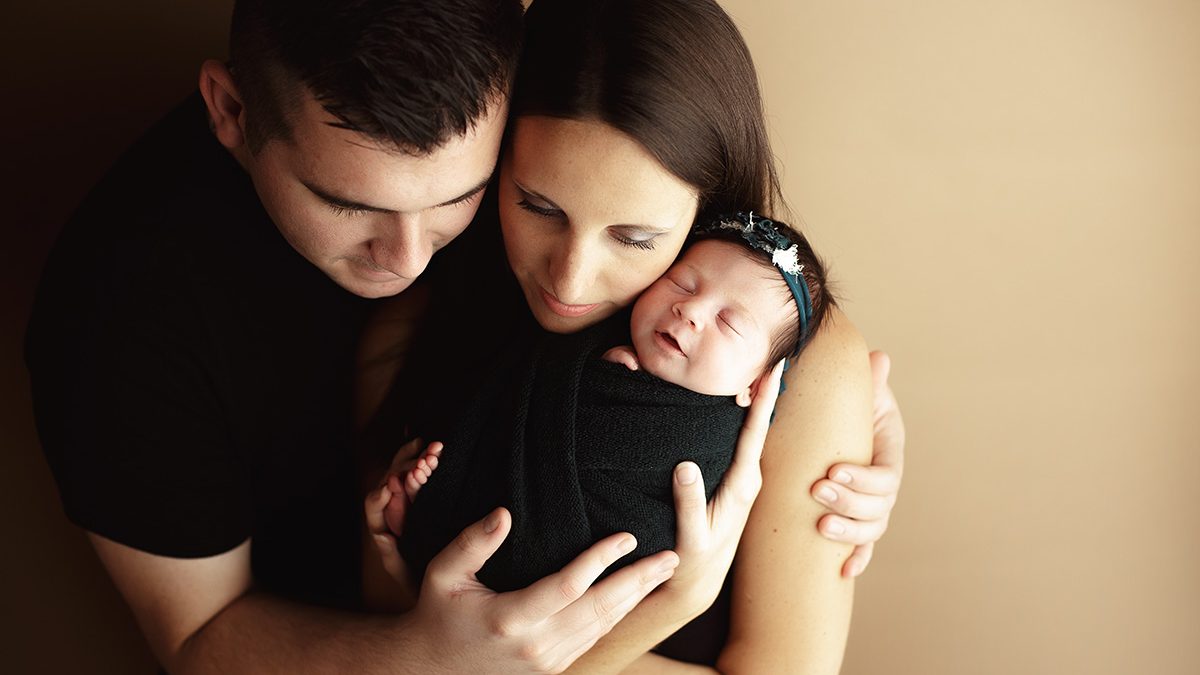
706,324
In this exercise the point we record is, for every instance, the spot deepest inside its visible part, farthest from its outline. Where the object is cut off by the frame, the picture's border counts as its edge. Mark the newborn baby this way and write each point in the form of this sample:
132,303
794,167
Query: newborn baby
579,438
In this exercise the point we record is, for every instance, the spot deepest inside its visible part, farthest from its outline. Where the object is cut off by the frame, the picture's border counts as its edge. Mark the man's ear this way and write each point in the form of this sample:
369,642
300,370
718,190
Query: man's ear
746,396
224,104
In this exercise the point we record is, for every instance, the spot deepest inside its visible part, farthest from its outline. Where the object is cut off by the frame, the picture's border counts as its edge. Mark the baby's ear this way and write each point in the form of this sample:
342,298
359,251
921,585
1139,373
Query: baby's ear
746,396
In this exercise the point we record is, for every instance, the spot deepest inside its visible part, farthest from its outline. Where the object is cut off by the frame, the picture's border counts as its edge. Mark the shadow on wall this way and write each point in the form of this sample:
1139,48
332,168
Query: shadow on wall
82,81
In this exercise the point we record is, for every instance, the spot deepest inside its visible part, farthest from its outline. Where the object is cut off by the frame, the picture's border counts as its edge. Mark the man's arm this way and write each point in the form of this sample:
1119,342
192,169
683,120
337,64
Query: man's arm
202,615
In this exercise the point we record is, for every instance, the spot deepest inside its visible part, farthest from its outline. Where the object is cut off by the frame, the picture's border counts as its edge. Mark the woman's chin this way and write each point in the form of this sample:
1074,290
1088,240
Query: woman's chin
557,323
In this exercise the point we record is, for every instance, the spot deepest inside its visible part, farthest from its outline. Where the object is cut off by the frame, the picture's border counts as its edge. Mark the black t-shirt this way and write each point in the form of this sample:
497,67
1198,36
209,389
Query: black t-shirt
192,372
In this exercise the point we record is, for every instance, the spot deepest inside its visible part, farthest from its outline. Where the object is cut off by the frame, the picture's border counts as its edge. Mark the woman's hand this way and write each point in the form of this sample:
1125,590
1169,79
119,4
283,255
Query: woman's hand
707,533
862,497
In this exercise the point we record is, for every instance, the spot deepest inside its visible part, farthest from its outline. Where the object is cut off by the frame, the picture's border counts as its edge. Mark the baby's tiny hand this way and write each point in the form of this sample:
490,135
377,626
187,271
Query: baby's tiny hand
623,354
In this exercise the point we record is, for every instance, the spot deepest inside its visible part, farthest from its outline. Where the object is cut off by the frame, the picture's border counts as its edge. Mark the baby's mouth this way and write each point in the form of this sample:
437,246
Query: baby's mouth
670,342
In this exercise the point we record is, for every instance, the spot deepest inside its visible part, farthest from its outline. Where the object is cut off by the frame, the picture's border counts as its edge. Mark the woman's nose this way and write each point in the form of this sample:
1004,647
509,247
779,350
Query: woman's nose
573,273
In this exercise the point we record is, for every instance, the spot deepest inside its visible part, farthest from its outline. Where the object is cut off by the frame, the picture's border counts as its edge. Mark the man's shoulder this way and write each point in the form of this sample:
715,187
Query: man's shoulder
174,204
174,177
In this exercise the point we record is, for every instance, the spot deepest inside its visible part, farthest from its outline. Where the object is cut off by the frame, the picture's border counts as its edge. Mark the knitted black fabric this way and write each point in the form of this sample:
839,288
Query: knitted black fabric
577,448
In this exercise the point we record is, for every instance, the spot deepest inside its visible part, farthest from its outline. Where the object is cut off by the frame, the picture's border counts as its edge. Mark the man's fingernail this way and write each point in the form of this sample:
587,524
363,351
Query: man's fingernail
668,564
834,527
843,477
856,568
626,545
492,522
826,494
686,474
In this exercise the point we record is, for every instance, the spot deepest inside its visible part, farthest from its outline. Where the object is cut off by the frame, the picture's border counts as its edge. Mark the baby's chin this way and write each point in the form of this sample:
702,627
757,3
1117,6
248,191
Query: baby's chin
680,380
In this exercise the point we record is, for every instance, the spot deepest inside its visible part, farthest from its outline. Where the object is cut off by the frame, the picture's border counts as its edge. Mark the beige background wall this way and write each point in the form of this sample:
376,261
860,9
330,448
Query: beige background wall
1009,193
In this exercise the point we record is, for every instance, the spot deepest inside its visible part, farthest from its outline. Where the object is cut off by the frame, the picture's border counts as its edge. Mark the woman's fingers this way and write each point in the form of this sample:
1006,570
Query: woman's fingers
692,526
889,424
857,563
857,532
877,479
846,502
743,479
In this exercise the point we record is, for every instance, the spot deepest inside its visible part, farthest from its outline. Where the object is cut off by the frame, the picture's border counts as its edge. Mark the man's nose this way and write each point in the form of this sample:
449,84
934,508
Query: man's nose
403,247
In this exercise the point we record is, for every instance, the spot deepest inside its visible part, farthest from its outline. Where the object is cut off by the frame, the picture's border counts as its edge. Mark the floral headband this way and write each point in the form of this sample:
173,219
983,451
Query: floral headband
761,234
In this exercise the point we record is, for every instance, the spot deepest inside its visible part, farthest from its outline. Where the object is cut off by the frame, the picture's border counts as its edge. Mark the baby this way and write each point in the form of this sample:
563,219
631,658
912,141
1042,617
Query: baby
721,317
597,438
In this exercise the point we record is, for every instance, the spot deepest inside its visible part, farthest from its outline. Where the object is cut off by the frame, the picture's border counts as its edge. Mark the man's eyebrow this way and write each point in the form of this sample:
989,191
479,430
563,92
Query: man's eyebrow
469,193
359,206
342,201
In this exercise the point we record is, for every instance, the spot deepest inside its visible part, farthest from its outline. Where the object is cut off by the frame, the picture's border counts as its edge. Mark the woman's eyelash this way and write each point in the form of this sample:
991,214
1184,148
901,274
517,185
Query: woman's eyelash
545,212
539,210
644,244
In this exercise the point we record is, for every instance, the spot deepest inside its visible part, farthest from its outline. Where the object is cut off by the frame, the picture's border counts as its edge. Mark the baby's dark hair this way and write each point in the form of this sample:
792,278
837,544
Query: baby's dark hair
787,341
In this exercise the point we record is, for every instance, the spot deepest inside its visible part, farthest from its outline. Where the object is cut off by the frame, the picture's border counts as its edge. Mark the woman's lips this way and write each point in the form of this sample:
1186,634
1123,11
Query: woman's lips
560,309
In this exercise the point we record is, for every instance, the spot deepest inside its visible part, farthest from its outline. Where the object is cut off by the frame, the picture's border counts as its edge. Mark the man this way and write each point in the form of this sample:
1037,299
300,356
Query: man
192,347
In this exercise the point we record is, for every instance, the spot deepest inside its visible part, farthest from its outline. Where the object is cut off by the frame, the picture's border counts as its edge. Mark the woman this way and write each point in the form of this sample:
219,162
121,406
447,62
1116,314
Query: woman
628,121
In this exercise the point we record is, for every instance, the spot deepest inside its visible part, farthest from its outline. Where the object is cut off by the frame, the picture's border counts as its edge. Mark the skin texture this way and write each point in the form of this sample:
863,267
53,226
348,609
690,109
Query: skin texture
706,324
590,219
315,189
798,626
588,169
204,616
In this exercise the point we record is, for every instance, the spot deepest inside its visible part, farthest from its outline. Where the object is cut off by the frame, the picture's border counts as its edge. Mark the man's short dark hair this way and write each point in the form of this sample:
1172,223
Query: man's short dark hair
406,73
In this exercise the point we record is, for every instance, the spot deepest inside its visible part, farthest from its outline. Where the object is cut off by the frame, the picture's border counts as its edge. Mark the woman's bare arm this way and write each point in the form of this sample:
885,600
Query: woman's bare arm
791,606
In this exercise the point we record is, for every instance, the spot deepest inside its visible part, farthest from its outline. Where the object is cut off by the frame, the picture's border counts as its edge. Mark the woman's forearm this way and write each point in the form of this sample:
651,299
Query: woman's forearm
791,606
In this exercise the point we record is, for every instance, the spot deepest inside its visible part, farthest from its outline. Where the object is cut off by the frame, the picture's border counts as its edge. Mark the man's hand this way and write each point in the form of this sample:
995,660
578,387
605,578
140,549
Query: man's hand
539,629
862,497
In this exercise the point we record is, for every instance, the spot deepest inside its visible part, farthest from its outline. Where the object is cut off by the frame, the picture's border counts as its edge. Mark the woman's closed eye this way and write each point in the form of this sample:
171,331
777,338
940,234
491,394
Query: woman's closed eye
646,243
544,211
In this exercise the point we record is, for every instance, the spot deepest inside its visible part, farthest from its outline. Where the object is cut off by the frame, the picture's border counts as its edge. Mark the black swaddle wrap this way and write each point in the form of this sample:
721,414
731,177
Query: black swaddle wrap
576,447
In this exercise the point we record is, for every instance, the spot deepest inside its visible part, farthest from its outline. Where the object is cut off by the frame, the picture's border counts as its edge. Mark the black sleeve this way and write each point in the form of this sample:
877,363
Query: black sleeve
124,379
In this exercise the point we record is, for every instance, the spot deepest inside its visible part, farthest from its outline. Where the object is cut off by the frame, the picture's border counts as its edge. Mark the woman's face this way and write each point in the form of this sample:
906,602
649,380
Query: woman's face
590,218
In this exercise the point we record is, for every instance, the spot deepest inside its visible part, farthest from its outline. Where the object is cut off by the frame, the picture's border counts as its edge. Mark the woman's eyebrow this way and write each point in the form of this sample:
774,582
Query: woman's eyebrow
536,195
